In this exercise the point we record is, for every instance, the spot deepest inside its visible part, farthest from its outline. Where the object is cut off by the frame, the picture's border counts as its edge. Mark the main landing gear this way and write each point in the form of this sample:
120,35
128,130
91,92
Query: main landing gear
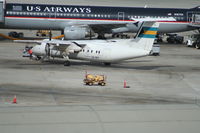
107,63
67,62
101,36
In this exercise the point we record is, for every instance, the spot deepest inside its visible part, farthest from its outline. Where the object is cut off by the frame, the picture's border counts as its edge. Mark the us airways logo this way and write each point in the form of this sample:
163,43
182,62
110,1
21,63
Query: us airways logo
58,9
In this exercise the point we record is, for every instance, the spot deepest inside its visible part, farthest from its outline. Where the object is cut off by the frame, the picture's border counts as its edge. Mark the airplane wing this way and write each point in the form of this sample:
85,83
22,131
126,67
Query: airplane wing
62,45
149,19
105,28
29,41
195,25
63,42
52,42
108,28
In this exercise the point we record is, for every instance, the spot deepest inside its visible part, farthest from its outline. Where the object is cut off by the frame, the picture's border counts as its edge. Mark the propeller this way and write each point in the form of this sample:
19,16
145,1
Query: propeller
47,47
47,52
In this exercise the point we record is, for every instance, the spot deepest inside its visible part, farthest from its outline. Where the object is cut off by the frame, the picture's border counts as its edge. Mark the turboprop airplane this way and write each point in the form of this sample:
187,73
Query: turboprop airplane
77,21
105,51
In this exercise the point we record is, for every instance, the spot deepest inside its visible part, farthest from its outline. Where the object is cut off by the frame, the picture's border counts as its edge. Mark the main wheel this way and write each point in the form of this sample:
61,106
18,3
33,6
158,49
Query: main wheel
197,46
90,83
103,84
67,63
101,36
107,63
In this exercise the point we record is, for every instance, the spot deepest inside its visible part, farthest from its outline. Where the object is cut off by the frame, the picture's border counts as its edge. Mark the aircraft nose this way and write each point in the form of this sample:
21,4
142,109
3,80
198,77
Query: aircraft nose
36,50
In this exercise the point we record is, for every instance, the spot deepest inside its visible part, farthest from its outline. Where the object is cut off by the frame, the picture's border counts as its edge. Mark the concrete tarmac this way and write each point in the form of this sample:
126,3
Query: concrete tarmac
174,118
172,77
163,96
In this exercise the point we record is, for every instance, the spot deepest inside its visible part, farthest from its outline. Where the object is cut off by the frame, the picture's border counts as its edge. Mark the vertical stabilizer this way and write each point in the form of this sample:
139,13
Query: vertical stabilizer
146,35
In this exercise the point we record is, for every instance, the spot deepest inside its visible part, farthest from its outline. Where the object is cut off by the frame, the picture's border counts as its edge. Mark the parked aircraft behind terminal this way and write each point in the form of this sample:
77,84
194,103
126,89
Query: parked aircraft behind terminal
105,51
77,22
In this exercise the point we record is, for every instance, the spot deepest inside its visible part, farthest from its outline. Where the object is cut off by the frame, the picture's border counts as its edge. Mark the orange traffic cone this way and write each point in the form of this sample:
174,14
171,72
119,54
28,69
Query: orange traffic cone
125,84
15,99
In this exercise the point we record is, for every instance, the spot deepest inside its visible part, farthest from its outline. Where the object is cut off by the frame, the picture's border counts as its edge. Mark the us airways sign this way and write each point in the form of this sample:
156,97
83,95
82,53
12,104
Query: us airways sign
58,9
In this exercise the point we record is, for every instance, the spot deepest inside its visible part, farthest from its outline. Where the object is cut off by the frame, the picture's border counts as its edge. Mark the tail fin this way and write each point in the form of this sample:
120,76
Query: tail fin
146,35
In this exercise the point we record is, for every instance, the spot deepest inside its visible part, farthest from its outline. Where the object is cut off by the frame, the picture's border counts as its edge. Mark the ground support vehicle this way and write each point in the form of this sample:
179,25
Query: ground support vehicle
16,34
193,41
95,79
42,33
174,38
155,50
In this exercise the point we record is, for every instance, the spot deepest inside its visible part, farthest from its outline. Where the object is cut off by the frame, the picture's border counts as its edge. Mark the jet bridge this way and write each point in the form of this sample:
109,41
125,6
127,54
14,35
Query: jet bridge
2,11
193,17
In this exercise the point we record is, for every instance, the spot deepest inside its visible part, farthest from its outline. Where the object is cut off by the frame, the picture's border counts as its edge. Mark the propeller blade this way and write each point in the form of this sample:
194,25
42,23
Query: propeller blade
47,50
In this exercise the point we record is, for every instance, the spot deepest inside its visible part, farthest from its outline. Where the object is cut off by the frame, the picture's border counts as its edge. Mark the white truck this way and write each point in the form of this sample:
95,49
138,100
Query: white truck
193,41
155,50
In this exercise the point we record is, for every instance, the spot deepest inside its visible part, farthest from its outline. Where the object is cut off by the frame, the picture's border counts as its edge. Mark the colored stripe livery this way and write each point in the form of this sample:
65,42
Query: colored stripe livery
148,32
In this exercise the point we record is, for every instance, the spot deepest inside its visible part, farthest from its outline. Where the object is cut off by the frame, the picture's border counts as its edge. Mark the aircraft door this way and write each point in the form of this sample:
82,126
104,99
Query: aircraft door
120,15
193,17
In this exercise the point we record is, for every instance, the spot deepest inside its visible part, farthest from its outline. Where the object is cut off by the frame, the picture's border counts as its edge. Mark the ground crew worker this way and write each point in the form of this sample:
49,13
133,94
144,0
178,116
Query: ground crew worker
30,52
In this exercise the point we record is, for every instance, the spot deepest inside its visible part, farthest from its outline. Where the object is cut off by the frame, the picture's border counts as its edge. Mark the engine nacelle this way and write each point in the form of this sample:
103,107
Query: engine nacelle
76,33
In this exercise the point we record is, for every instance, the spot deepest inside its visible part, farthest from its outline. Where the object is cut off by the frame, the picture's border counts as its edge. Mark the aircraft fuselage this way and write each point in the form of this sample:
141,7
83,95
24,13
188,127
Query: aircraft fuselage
38,16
